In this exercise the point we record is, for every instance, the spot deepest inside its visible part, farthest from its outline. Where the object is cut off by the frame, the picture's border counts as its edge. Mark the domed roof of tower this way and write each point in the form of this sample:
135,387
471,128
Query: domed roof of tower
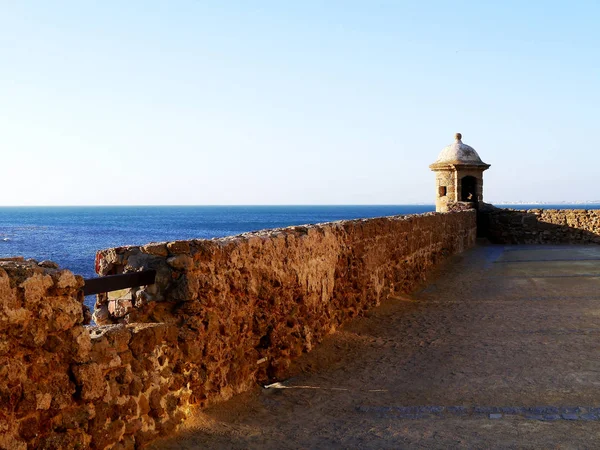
459,153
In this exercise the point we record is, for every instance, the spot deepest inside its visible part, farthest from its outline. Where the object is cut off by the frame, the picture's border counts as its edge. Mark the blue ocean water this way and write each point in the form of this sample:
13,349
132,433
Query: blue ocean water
71,236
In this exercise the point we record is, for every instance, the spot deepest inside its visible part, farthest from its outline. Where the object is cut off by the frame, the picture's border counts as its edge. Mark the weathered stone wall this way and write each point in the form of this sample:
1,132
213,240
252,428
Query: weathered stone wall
269,296
445,179
541,226
41,334
64,385
223,314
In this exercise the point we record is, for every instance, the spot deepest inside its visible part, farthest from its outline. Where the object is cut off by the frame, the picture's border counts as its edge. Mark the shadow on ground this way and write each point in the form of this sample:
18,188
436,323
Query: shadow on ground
498,350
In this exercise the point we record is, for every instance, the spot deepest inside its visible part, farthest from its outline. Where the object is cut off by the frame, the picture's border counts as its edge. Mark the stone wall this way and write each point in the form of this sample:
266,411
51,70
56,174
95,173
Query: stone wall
269,296
223,315
64,385
445,189
541,226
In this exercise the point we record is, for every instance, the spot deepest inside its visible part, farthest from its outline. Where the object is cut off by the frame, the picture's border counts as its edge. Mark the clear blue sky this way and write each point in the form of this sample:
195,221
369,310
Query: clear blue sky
294,102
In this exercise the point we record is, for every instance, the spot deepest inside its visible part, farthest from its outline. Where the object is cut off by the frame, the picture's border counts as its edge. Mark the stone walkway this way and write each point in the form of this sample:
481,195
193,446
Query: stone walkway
500,350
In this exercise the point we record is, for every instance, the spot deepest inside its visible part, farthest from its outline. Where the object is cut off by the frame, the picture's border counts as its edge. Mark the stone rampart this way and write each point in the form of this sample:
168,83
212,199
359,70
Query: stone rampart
541,226
222,315
64,385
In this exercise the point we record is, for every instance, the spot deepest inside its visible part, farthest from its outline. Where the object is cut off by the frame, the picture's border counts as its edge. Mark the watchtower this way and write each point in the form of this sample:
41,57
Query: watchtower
458,176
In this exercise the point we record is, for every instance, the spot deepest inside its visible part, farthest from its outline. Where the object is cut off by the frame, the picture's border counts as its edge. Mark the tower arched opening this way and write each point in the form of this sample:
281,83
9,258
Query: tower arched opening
468,189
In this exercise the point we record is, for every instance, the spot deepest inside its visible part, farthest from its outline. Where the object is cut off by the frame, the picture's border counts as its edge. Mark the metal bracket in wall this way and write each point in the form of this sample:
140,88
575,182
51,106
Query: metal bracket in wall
116,282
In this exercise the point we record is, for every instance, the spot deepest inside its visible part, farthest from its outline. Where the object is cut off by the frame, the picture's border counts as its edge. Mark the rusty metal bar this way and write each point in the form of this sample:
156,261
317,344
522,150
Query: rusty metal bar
117,282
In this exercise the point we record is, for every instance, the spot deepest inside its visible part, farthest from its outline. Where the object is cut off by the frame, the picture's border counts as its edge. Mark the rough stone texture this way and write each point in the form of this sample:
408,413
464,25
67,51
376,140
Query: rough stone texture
499,330
541,226
270,296
64,385
41,322
222,315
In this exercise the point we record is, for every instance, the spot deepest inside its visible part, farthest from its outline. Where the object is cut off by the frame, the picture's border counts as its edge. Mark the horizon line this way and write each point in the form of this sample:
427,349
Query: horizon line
520,202
217,205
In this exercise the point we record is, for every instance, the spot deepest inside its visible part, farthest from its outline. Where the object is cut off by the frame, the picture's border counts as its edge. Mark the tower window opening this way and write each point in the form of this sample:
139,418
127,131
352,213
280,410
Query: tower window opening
469,189
442,191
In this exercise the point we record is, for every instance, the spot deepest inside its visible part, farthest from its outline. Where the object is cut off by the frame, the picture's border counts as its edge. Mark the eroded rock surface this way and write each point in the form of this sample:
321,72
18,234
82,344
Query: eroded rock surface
223,314
542,226
272,295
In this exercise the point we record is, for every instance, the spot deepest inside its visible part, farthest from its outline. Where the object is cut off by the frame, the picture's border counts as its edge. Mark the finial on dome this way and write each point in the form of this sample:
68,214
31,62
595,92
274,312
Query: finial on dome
458,136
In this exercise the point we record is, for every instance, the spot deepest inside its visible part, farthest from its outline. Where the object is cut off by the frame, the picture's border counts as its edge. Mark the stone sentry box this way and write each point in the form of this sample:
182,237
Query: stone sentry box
459,176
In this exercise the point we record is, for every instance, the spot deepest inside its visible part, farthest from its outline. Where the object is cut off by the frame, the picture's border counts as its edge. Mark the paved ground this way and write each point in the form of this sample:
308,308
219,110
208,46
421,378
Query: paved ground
499,350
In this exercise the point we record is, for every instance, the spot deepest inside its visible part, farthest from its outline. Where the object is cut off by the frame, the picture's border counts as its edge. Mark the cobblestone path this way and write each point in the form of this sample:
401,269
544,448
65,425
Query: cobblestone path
501,349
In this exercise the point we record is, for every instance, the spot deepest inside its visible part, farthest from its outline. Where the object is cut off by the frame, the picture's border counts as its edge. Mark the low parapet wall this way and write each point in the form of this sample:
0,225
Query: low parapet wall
541,226
223,314
271,295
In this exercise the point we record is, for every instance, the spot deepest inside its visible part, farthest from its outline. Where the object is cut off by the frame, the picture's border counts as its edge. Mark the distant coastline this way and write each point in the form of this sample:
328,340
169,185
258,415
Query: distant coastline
587,202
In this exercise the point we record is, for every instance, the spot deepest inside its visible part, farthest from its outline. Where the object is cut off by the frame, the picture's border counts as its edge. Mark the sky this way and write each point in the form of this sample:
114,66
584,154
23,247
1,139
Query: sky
294,102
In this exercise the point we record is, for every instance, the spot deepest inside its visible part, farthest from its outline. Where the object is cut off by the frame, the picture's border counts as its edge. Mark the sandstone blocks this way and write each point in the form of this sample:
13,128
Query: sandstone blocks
222,315
542,226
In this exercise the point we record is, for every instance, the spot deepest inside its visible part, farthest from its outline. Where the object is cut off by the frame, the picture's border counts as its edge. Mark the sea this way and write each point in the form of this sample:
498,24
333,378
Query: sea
70,236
